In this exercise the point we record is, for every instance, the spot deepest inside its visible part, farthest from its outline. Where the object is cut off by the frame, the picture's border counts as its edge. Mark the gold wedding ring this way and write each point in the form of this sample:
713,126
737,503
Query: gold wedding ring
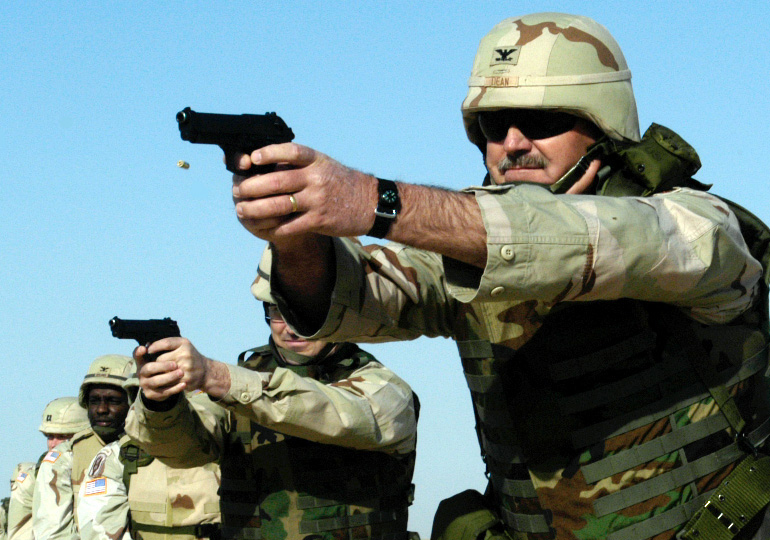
294,205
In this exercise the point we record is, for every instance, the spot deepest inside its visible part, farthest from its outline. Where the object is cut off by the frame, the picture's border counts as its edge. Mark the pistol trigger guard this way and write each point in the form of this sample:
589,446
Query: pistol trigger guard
230,162
149,357
253,171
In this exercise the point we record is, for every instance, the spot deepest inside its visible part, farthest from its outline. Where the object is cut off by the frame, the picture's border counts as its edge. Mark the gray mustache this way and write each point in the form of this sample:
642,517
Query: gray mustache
524,160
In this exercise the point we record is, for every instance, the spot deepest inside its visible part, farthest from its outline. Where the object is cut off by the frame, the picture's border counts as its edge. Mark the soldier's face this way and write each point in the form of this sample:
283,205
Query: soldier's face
285,338
533,146
55,438
107,406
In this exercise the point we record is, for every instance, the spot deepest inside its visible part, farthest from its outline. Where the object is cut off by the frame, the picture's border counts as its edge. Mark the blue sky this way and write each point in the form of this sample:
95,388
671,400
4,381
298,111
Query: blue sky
96,220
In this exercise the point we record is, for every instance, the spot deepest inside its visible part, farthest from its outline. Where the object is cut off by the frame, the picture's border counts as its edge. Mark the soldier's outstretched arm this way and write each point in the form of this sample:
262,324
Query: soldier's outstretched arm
299,207
188,434
372,408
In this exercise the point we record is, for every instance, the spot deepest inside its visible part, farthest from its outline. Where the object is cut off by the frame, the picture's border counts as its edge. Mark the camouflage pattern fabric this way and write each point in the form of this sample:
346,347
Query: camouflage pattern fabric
3,521
545,252
157,495
20,505
58,481
265,433
371,410
103,510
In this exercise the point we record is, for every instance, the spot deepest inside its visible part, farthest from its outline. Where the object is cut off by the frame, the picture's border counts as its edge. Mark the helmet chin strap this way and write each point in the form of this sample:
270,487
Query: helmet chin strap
294,358
571,177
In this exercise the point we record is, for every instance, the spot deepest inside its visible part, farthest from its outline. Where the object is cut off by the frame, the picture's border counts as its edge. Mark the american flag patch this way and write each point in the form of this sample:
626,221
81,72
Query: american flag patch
52,456
22,476
96,486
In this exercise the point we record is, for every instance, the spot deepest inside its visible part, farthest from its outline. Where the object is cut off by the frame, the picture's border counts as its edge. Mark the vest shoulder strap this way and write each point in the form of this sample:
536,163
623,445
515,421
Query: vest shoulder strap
132,457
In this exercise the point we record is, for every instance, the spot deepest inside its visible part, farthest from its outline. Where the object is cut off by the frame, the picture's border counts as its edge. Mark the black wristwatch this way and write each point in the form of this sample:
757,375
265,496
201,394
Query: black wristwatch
388,205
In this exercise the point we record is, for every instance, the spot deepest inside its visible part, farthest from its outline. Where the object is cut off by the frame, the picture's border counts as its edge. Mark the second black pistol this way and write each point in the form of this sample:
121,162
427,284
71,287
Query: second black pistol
144,331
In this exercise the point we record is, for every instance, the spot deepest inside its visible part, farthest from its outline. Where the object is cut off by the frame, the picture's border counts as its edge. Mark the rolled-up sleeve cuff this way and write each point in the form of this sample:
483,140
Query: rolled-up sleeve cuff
507,227
537,245
345,296
161,419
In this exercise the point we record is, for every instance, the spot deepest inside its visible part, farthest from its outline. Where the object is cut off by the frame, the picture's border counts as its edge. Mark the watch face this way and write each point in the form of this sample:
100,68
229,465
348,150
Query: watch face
389,196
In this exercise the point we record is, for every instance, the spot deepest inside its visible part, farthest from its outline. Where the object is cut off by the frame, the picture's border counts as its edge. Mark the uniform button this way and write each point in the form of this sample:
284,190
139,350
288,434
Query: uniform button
506,252
497,291
245,396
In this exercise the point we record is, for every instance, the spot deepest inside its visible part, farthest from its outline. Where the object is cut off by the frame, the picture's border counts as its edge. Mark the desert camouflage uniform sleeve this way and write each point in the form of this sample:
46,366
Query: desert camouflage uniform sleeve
377,293
372,409
52,502
683,248
188,435
103,500
20,505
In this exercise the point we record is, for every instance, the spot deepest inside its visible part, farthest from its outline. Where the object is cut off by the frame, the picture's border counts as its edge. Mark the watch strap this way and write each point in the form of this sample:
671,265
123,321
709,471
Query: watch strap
388,206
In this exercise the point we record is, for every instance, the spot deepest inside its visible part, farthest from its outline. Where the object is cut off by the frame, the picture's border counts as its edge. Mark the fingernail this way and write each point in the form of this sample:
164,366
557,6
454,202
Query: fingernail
236,191
256,157
238,210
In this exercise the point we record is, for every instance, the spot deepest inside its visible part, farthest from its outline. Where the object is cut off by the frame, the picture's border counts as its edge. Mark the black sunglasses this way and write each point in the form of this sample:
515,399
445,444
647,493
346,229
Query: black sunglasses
272,313
532,124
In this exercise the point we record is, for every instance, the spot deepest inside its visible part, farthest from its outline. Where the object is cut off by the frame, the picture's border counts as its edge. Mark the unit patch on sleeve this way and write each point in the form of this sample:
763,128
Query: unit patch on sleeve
96,486
97,465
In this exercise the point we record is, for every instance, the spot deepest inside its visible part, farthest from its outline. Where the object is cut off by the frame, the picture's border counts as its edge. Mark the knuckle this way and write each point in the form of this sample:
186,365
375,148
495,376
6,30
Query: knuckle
298,152
276,183
277,206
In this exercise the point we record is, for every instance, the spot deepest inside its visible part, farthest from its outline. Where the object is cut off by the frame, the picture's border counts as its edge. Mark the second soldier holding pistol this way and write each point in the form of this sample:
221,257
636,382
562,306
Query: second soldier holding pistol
313,439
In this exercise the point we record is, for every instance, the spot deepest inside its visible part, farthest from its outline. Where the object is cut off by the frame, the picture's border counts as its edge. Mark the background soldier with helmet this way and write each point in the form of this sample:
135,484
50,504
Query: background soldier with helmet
611,315
315,440
62,418
129,494
106,396
19,517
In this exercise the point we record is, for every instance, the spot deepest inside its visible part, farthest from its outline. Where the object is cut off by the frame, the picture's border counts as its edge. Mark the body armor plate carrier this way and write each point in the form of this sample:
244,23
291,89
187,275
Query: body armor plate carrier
276,486
628,388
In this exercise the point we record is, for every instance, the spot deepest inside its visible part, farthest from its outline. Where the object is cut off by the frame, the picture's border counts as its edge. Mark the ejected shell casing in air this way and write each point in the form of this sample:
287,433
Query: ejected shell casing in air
182,164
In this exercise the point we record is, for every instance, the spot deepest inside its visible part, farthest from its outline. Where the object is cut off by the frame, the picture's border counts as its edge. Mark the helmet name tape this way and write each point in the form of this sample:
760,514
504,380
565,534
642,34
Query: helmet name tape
505,55
512,81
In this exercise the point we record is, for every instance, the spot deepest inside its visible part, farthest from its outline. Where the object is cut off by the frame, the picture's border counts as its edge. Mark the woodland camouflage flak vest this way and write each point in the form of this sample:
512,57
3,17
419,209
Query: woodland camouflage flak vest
620,420
166,503
279,487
